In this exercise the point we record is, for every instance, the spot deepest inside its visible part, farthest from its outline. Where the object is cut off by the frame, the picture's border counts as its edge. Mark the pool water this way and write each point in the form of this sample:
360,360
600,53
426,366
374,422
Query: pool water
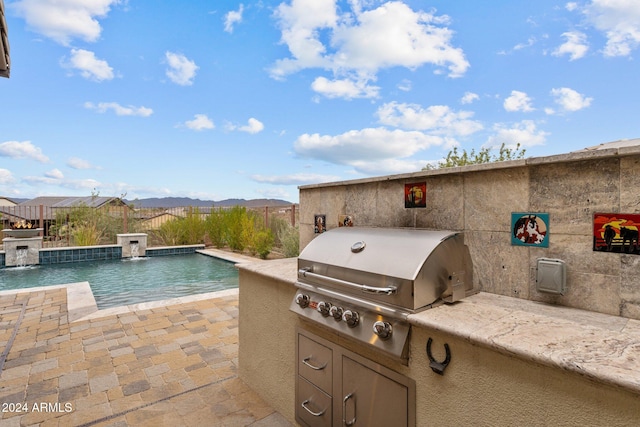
131,281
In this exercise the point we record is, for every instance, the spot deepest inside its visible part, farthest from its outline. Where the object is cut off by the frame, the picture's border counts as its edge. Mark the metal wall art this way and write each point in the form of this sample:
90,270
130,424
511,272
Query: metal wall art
415,195
530,229
616,232
319,223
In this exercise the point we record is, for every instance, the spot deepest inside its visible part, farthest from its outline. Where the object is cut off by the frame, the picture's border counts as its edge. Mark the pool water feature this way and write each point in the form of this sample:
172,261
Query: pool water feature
131,280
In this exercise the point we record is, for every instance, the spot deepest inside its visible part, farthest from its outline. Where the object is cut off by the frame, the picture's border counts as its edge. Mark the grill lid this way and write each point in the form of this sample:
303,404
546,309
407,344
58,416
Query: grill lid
398,253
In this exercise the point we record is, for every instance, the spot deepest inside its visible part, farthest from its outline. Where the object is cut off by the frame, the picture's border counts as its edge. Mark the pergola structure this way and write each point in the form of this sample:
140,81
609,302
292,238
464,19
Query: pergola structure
5,62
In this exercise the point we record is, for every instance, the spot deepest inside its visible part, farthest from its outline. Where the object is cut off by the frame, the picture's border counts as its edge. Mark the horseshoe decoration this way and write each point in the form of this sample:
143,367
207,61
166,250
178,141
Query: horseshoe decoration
438,367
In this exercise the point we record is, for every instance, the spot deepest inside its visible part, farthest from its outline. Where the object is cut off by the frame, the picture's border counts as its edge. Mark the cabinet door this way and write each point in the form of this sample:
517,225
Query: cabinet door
370,398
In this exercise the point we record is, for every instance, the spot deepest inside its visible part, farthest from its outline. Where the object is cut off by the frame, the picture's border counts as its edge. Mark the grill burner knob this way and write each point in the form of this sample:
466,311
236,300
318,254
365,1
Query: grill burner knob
303,300
383,329
336,312
351,317
324,308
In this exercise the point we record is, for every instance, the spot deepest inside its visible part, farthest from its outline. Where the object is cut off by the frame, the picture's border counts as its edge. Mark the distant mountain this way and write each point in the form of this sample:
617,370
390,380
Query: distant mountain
172,202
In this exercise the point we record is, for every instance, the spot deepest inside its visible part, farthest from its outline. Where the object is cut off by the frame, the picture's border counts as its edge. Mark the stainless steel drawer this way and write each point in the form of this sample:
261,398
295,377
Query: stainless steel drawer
315,363
313,406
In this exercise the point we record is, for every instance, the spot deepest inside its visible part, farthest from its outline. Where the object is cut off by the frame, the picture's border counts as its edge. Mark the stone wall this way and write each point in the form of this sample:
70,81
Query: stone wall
479,200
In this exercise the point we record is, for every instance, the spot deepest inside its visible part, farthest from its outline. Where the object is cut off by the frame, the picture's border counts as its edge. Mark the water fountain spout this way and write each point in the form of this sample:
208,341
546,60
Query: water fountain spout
22,254
135,250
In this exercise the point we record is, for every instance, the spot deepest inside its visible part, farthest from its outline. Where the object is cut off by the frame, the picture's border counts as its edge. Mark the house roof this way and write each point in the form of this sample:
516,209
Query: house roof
67,202
5,62
614,144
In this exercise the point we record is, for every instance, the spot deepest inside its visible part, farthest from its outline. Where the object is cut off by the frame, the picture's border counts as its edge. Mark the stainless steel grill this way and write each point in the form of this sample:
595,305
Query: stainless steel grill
364,282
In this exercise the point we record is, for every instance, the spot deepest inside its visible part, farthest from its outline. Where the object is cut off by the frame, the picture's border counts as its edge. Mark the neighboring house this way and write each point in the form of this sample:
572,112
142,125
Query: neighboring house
155,221
5,201
41,211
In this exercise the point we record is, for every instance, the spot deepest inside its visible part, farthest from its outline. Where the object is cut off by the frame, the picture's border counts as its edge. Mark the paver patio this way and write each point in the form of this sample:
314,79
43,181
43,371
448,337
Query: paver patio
165,366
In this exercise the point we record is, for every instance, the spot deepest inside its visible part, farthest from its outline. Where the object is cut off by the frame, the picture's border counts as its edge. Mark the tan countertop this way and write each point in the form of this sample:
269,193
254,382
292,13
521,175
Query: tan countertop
602,347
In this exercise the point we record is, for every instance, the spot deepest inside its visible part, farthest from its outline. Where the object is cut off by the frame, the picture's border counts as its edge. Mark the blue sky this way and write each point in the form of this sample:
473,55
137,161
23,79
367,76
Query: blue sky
226,99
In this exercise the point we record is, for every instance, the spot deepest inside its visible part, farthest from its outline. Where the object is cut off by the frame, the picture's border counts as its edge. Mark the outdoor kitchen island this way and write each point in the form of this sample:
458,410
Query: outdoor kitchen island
512,361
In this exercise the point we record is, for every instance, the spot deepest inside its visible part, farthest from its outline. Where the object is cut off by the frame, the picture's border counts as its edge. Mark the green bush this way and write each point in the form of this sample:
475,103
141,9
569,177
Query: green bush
289,237
233,226
170,233
86,235
263,243
214,226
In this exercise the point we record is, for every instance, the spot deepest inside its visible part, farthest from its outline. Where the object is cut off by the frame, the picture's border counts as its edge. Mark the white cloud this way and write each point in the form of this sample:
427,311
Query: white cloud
354,45
619,20
469,97
103,107
200,122
518,101
371,150
77,163
253,126
22,150
90,67
231,18
576,45
294,179
405,85
436,119
569,99
63,21
54,174
571,6
6,177
344,88
524,133
74,184
181,70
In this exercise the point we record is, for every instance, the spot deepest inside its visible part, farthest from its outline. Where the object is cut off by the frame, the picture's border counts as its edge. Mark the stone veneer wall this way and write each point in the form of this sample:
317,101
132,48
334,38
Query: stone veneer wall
479,200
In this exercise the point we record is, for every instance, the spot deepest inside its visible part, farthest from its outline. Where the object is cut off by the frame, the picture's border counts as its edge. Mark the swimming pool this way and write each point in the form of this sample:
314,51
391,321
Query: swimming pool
131,281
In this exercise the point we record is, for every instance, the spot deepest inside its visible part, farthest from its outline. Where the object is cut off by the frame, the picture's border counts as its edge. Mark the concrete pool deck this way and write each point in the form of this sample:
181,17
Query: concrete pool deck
165,363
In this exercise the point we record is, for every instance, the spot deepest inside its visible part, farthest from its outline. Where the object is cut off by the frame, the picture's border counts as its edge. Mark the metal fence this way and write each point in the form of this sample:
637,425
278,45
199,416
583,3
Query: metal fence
56,223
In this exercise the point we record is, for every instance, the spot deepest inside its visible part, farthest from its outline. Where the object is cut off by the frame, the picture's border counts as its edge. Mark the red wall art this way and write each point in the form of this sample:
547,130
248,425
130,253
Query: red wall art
616,232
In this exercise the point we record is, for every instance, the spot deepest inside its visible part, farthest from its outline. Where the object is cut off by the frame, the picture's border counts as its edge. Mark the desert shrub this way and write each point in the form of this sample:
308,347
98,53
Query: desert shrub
233,226
263,243
193,228
289,238
169,233
86,235
214,226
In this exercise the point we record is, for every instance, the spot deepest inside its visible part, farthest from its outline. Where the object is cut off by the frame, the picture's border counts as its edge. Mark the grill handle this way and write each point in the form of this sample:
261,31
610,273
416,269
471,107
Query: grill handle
388,290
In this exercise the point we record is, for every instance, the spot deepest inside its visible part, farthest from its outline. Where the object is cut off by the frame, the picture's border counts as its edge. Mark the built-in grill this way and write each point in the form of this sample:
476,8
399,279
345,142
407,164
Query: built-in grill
364,282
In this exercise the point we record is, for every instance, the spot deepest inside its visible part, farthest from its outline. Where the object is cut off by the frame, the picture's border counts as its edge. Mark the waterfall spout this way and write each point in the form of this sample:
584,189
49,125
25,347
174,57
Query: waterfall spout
135,250
22,254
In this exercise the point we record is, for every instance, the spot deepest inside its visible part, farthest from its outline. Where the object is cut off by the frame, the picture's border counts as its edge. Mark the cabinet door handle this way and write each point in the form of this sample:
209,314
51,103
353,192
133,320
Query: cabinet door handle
315,414
344,410
315,368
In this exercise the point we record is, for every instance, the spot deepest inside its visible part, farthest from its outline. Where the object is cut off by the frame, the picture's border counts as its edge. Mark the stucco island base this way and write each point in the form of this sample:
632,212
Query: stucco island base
513,362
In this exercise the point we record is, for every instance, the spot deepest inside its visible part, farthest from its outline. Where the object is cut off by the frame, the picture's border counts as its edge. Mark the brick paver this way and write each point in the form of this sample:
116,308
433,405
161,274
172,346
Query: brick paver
167,366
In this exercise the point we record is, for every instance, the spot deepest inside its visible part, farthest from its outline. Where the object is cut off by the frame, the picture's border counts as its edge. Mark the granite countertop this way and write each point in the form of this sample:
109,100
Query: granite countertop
601,347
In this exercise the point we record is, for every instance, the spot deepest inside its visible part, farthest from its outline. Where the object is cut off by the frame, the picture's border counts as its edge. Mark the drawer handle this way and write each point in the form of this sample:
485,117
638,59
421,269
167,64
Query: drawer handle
344,410
315,368
315,414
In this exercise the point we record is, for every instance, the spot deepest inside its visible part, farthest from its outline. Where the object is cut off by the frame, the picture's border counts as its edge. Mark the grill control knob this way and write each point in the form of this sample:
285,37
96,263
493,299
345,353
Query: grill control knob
324,308
383,329
351,317
336,312
303,300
